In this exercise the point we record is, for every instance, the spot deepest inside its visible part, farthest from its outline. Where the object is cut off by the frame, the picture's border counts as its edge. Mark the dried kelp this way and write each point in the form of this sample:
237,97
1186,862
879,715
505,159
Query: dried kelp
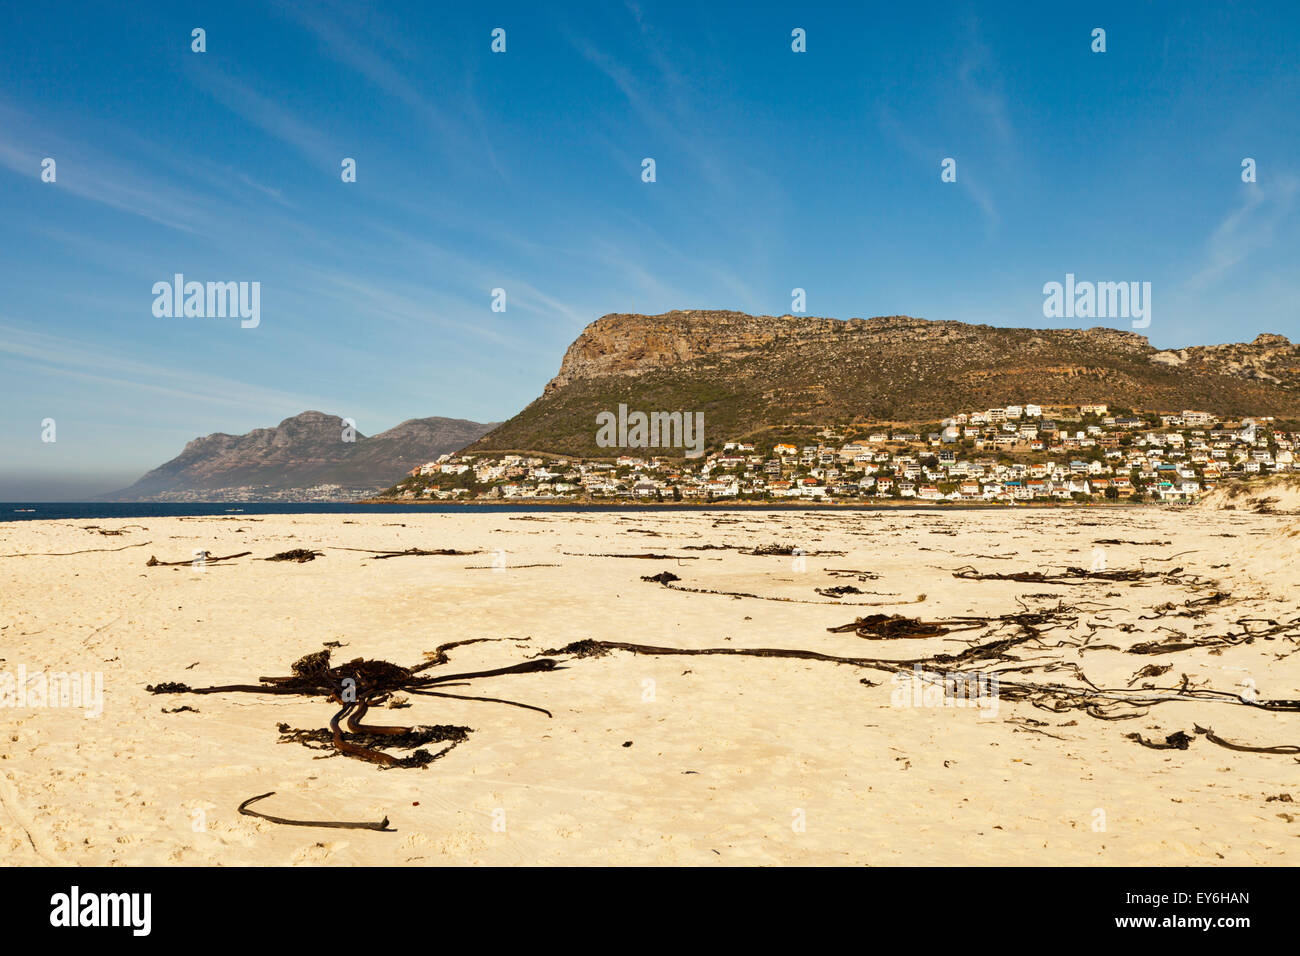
1181,741
1178,641
878,627
648,556
300,555
382,825
788,550
422,552
839,591
1151,670
1175,741
1100,702
1072,576
64,554
861,575
1194,607
415,737
1214,738
381,554
202,557
360,684
884,626
1139,543
667,579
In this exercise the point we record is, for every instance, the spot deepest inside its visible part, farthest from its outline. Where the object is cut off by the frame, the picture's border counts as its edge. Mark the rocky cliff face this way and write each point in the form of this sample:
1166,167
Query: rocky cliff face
301,452
629,344
1268,358
754,373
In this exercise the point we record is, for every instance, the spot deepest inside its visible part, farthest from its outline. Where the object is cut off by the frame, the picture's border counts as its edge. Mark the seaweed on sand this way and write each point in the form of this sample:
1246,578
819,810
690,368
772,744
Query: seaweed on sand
669,580
201,557
300,555
360,684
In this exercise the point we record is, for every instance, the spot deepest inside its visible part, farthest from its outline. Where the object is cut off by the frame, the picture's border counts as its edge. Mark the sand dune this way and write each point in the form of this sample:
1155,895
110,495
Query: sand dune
656,759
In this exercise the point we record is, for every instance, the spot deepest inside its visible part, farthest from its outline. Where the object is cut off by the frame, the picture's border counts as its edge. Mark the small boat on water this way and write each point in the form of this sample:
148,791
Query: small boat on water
22,511
235,509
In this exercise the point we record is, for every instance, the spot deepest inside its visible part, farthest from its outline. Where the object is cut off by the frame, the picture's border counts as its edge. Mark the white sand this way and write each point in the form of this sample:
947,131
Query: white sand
726,758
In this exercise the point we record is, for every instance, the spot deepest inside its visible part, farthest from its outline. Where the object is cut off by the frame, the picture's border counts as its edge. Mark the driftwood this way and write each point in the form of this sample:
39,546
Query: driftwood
382,825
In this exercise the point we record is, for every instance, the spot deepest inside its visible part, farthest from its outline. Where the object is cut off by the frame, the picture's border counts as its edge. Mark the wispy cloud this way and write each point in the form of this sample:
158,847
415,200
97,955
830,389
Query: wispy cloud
1249,227
70,358
269,114
927,156
984,109
664,105
90,174
983,89
377,51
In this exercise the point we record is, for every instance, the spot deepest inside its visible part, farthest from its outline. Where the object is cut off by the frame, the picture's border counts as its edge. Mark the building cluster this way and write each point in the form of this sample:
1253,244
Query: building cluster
1012,454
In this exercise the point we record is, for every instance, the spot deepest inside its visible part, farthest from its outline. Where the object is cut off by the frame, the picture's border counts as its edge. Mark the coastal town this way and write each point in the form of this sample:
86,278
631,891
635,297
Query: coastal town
1014,454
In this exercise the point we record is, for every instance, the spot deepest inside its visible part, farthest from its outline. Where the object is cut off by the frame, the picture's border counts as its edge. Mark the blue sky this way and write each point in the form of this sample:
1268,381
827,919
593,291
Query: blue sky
522,170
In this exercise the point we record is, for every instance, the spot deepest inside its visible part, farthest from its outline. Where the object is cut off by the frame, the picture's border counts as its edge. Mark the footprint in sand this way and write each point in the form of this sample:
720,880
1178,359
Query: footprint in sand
318,853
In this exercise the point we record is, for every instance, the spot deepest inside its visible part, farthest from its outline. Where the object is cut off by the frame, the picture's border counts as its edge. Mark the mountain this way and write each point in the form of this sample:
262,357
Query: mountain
749,374
301,453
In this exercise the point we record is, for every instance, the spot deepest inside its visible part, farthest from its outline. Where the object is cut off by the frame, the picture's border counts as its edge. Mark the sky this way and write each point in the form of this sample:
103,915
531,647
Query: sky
523,170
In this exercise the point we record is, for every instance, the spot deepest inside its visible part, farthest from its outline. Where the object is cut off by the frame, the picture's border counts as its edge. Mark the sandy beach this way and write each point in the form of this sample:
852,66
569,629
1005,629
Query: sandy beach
655,758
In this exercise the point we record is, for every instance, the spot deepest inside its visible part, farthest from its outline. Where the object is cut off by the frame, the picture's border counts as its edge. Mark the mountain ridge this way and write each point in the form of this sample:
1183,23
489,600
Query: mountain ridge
302,452
751,373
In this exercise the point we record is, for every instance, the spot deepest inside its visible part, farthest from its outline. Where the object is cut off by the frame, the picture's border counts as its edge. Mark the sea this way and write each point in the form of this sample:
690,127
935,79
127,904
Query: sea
79,511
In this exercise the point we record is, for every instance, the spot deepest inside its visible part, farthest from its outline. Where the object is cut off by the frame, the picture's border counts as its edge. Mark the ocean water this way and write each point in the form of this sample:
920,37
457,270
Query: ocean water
60,510
78,511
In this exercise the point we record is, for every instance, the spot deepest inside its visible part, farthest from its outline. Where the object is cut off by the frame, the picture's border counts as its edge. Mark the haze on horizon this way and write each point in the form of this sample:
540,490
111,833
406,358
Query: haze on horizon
522,171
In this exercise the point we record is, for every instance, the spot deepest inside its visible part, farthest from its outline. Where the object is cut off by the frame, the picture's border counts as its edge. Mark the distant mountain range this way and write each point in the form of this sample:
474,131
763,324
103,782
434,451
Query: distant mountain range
296,458
751,375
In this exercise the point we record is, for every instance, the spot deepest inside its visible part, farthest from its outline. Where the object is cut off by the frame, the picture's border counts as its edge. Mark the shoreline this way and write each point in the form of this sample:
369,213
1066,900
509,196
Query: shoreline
102,511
